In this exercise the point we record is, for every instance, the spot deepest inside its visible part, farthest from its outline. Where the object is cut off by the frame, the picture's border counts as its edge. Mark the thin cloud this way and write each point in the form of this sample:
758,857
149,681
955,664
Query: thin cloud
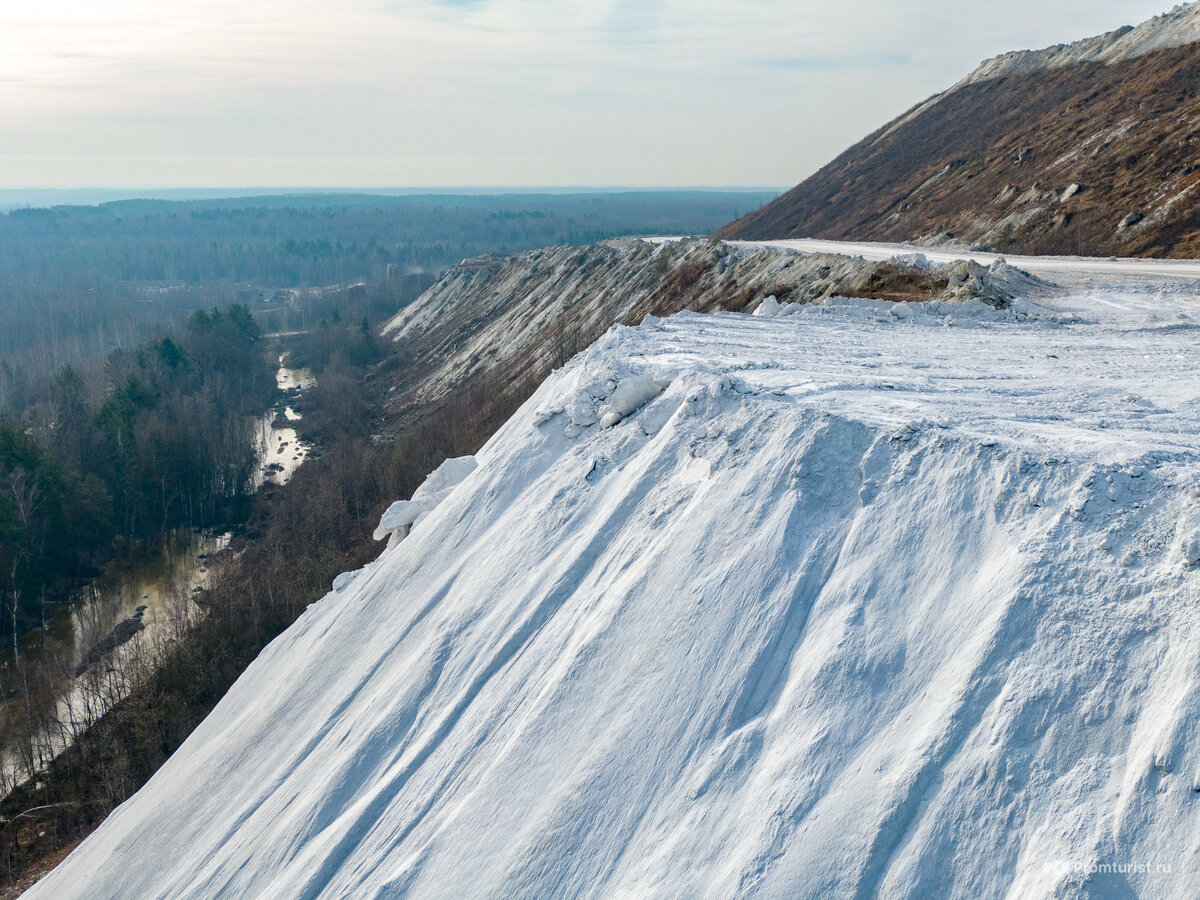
409,92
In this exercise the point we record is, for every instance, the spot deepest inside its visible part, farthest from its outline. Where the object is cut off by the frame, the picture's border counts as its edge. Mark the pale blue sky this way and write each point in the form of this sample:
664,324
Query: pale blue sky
138,93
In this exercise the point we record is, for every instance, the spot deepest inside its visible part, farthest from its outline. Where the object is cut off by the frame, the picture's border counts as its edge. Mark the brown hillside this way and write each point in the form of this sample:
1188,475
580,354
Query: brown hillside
994,162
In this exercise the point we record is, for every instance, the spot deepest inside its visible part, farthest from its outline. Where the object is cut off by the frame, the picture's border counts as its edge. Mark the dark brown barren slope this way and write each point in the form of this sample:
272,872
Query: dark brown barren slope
994,162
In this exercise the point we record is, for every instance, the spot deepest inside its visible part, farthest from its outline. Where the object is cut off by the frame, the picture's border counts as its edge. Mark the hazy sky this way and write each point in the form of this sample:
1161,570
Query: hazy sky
482,92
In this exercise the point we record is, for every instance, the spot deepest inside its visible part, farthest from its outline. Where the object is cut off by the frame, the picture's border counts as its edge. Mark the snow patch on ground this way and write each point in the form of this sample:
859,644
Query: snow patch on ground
927,312
606,399
403,515
630,395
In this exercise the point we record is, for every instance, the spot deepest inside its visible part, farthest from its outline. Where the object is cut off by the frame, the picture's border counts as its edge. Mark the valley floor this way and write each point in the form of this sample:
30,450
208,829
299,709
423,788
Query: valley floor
864,600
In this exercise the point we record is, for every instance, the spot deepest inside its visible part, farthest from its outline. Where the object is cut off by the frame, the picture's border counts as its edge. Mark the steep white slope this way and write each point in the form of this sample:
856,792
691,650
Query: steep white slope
859,605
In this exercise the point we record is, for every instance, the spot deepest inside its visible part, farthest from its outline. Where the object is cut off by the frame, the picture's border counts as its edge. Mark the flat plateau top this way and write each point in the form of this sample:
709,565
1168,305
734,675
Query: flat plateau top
1106,361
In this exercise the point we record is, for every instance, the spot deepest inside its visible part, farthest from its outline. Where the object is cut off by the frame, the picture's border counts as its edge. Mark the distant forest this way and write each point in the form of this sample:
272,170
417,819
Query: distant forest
79,281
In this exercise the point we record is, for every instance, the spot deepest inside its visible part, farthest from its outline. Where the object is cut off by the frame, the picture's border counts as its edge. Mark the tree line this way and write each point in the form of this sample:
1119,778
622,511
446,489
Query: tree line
161,437
78,281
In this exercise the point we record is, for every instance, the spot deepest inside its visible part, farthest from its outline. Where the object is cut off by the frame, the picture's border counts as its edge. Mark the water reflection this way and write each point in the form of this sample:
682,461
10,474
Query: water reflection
107,633
280,450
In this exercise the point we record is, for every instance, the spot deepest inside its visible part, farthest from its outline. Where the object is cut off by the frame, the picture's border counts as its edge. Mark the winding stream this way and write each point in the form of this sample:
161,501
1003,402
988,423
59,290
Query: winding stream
280,450
125,601
180,568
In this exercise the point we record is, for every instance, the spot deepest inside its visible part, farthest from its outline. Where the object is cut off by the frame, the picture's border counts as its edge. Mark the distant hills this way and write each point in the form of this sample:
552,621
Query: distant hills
1085,148
305,197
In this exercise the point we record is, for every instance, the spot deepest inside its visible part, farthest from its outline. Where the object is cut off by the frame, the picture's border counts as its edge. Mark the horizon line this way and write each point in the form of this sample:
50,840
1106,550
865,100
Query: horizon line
389,189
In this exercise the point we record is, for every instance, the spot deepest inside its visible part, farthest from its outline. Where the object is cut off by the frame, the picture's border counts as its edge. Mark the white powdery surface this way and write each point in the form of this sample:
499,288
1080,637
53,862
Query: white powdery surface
403,514
858,605
1176,28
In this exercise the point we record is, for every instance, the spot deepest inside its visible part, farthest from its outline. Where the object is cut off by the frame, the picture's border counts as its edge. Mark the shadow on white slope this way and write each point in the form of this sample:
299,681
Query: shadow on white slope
857,606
